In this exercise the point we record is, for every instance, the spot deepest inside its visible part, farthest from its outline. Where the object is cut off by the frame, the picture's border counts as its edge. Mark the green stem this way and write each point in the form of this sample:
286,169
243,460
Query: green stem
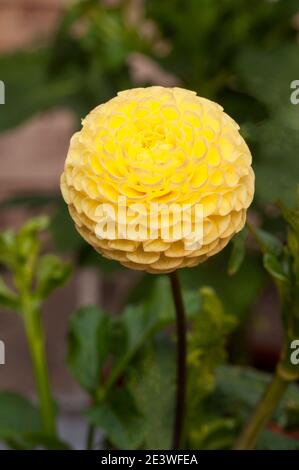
181,361
90,436
36,342
262,413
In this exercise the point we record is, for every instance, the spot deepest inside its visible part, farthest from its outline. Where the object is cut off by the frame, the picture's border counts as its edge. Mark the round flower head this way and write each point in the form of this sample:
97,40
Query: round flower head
158,179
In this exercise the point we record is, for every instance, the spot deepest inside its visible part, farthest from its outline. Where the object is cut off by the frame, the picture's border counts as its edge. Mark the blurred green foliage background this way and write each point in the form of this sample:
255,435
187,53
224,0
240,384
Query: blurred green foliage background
241,54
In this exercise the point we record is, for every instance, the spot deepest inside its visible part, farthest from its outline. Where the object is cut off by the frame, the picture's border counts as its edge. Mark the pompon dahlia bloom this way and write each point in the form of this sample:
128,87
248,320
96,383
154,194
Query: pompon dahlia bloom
151,146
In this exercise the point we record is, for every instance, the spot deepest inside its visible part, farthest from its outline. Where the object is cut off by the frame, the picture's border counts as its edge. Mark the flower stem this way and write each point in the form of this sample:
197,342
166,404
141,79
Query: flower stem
262,413
90,436
181,360
36,342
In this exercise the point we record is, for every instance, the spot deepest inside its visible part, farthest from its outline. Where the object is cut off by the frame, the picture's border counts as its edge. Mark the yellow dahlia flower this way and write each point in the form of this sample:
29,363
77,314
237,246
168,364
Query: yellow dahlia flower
151,146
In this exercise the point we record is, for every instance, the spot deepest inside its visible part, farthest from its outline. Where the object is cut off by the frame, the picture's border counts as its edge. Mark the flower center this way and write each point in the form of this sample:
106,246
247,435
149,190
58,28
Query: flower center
153,137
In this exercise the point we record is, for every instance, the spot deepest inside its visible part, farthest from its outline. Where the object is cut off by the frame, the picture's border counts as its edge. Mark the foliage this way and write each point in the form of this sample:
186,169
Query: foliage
139,353
277,133
206,351
126,363
220,397
237,392
40,274
34,277
281,262
249,70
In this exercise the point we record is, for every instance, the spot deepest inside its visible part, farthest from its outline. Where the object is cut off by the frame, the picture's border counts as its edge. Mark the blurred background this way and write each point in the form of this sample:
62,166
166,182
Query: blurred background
59,59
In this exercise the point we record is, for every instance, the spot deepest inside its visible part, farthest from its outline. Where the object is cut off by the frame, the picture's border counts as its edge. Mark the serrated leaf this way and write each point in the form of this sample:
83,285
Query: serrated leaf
8,248
237,253
17,417
27,240
27,250
275,268
51,273
268,242
35,225
88,346
293,247
136,325
139,322
152,383
291,417
120,419
45,441
213,433
268,75
8,298
206,346
292,218
206,351
266,70
240,389
37,440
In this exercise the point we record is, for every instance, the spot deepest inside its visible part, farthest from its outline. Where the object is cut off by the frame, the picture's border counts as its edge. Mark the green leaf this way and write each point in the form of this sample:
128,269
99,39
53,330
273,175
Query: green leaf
26,76
8,248
276,441
293,247
206,429
268,75
62,229
51,273
152,383
290,420
238,252
22,247
277,178
264,72
8,298
139,322
206,351
20,251
275,268
120,419
237,293
213,433
292,218
27,241
268,242
136,325
88,346
18,417
20,424
35,225
28,247
239,389
39,440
